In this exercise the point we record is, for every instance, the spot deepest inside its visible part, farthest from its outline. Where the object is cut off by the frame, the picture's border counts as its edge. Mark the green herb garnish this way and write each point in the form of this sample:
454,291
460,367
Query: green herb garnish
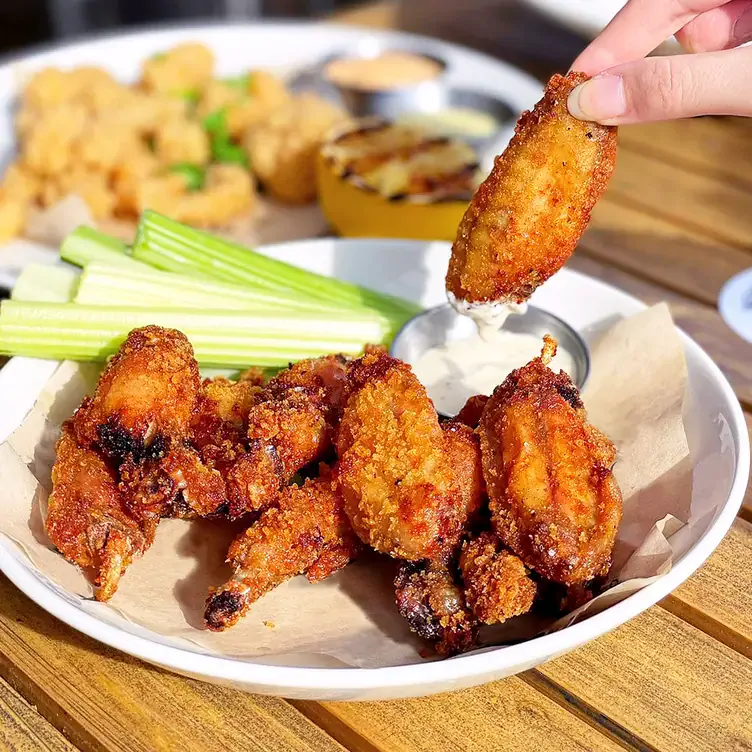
193,174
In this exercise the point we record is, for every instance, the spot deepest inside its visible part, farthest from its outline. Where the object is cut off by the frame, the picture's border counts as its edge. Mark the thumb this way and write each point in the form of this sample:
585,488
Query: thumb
667,88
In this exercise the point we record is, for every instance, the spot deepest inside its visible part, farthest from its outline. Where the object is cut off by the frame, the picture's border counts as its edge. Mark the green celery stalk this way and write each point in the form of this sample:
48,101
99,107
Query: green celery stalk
45,283
171,246
104,285
86,245
219,338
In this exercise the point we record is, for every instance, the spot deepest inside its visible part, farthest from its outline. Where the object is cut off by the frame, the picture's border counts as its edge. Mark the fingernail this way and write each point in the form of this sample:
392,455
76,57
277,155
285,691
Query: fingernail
743,27
601,99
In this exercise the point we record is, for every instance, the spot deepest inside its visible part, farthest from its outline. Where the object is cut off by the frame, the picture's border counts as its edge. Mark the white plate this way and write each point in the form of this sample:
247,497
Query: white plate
587,17
277,46
716,432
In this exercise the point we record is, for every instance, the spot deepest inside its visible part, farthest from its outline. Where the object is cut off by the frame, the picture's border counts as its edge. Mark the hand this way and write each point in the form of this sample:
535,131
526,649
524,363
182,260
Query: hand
716,79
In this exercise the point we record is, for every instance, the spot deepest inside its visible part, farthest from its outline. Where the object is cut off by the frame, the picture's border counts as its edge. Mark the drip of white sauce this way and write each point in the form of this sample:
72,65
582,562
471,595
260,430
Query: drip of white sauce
459,369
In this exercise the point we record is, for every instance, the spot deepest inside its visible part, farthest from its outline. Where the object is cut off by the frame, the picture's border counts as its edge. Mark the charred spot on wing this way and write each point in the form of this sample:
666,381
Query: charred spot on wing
221,608
119,443
570,393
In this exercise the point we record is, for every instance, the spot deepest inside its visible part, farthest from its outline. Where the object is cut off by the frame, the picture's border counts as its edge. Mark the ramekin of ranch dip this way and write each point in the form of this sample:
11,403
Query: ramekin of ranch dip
455,359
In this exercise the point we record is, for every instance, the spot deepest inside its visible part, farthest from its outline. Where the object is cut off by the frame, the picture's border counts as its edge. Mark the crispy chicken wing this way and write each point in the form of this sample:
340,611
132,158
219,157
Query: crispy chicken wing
308,533
497,585
176,485
87,518
291,425
472,410
434,606
553,498
145,397
463,450
526,218
401,492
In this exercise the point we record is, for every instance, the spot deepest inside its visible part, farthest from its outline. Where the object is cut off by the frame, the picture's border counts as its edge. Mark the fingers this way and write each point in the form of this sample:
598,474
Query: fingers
637,30
666,88
718,29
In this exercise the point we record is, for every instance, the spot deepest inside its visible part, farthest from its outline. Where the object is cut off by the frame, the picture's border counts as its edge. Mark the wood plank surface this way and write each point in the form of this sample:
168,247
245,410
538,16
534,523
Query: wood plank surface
501,716
718,598
104,700
669,684
22,729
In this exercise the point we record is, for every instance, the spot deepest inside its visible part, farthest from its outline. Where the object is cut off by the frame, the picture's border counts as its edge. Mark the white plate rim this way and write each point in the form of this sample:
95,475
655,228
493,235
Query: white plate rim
430,674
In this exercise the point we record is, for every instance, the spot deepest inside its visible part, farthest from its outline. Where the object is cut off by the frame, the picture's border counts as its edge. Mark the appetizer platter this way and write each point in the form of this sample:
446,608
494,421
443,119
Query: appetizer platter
439,551
220,128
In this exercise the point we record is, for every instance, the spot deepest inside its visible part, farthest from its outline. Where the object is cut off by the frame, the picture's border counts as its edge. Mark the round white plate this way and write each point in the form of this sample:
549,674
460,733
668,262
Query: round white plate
284,47
587,17
715,428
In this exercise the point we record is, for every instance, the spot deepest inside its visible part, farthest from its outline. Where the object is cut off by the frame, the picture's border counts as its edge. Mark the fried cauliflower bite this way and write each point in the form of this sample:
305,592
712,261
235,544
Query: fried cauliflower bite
496,584
185,68
434,606
52,87
401,492
145,397
526,218
182,140
87,518
308,533
128,176
105,146
291,425
244,107
13,215
176,485
92,186
19,183
282,149
49,148
227,194
553,498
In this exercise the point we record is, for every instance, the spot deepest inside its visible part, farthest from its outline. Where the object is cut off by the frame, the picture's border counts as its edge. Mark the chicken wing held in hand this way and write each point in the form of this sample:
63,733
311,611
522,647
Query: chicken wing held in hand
145,396
87,518
308,533
553,498
401,492
526,218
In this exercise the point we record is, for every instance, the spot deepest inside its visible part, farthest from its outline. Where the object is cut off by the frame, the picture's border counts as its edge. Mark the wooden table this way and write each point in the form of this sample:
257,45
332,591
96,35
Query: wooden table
674,225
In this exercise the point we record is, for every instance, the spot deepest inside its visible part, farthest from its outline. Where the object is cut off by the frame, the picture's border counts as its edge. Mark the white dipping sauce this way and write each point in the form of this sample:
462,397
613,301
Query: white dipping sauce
460,369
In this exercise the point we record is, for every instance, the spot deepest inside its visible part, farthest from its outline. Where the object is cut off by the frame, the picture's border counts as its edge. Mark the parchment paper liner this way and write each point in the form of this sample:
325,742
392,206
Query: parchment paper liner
634,394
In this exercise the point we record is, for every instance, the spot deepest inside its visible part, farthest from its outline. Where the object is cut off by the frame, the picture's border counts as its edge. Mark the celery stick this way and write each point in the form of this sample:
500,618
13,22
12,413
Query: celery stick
85,245
104,285
167,244
219,338
45,283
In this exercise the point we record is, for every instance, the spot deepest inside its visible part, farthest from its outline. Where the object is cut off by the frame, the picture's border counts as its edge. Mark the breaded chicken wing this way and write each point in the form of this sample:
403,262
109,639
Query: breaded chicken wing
554,501
526,218
176,485
87,518
308,533
472,410
401,492
145,397
291,425
496,584
433,603
463,450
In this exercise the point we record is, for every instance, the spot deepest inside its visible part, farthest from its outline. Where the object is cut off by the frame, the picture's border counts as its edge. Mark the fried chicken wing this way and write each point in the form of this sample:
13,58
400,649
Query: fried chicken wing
553,498
497,585
87,518
401,492
463,450
145,397
176,485
526,218
472,410
434,606
308,533
291,425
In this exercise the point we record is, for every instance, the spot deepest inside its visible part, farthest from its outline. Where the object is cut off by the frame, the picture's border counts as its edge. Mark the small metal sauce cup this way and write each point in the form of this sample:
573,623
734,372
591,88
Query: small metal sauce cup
436,326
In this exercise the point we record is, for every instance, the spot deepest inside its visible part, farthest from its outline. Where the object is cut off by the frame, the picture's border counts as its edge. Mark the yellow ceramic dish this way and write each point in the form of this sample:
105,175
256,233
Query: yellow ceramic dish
381,180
